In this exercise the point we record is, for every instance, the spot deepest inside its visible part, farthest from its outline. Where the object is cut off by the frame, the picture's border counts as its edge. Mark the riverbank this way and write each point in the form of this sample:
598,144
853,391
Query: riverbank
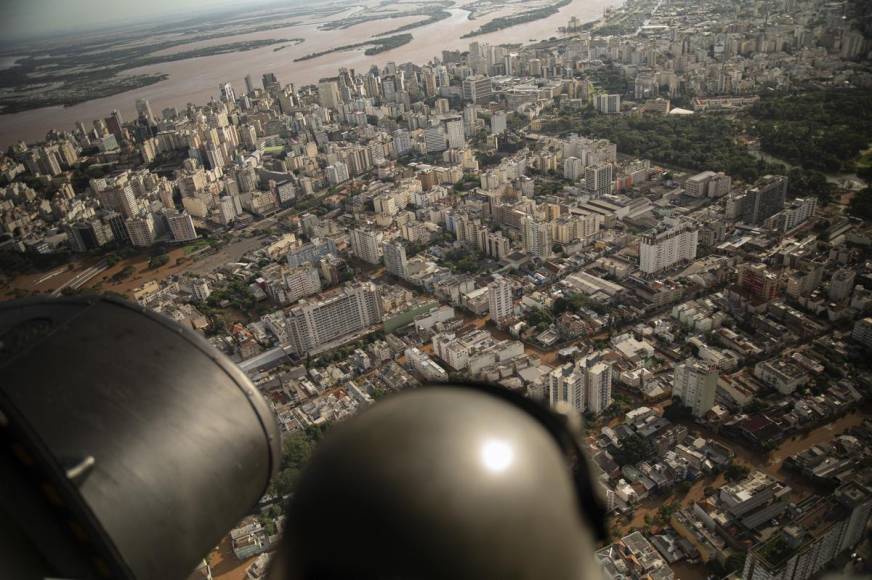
195,80
518,19
376,46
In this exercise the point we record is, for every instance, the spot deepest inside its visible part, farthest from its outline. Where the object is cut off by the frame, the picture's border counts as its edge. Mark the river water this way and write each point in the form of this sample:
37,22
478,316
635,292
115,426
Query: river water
196,80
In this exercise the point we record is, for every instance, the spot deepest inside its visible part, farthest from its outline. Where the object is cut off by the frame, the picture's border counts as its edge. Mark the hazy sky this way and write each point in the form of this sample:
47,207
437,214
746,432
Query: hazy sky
29,18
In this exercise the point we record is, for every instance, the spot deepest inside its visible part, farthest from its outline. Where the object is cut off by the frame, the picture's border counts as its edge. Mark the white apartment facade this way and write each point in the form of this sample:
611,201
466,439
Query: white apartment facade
696,384
664,249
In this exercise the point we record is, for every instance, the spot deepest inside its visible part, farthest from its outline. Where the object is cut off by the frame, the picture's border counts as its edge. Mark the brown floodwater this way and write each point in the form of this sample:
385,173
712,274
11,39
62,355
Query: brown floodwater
196,80
771,463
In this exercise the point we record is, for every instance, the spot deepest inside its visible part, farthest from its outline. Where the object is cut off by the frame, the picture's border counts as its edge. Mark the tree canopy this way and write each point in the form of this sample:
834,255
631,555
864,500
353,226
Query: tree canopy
861,204
633,450
697,142
821,130
297,448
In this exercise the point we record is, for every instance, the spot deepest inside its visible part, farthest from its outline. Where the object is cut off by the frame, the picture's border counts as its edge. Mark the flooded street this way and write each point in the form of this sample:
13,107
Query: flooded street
684,571
770,463
800,443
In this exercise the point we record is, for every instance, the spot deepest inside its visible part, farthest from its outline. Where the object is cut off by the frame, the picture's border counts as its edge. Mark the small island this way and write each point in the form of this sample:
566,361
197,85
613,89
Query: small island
376,46
504,22
435,12
243,46
433,18
68,89
42,75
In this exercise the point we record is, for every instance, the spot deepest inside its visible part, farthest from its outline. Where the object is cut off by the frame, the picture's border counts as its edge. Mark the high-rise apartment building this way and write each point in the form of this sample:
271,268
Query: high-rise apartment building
428,78
116,223
477,89
862,332
143,109
599,384
498,123
402,142
794,214
226,210
696,384
566,384
337,173
227,94
585,384
708,183
249,84
328,95
181,225
434,139
764,200
824,528
496,245
537,237
141,230
201,290
395,259
120,199
758,282
573,168
454,132
313,324
608,104
270,83
115,124
358,159
599,178
246,178
312,252
366,245
499,299
674,242
89,235
300,282
841,284
215,157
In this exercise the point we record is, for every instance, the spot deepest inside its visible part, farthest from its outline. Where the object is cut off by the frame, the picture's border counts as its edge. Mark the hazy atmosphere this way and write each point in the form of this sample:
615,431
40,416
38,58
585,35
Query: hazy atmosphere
25,19
633,231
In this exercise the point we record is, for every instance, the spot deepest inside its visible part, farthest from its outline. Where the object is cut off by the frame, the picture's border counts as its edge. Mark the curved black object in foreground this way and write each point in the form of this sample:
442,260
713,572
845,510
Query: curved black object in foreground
460,482
128,445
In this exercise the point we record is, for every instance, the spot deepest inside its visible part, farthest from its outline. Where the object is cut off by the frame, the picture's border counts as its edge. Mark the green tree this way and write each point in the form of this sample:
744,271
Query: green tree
633,450
698,142
736,472
677,411
861,204
736,562
127,272
297,448
157,261
539,318
803,183
818,130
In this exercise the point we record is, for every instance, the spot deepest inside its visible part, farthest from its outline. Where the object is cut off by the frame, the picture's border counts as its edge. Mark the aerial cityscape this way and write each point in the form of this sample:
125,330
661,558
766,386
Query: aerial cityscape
658,212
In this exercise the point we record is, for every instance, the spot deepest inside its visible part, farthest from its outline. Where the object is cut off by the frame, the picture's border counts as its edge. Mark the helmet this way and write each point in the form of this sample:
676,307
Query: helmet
444,482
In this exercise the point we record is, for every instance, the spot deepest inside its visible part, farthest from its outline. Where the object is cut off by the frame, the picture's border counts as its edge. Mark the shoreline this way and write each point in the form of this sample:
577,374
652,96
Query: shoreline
196,79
